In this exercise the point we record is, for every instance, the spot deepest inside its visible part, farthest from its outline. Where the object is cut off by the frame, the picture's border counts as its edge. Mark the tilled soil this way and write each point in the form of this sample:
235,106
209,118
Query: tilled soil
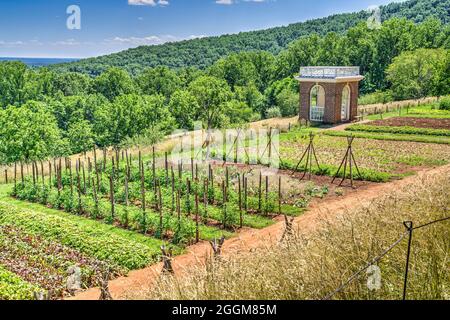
428,123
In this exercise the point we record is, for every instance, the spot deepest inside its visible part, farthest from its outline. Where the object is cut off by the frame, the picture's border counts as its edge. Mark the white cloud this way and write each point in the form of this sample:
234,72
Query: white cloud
229,2
149,40
148,2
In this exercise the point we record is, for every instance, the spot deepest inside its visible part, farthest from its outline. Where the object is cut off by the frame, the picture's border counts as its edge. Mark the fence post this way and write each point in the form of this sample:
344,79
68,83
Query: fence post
409,227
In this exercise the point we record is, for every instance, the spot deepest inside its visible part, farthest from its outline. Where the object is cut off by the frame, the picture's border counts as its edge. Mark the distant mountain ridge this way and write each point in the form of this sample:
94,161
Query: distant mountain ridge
203,52
38,62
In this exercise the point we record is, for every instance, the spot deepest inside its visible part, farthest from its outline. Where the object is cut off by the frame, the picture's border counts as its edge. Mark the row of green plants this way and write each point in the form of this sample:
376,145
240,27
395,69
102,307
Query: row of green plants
330,170
106,243
399,130
130,217
12,287
31,257
388,136
163,217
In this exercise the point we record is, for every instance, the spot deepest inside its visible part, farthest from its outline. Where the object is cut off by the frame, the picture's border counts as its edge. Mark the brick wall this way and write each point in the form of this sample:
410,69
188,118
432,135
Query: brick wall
333,100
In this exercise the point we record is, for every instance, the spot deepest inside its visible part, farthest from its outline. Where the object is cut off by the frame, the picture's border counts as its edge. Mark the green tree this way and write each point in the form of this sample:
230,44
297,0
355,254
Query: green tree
416,74
128,116
236,70
28,133
13,79
211,94
183,107
80,136
113,83
72,83
159,80
288,102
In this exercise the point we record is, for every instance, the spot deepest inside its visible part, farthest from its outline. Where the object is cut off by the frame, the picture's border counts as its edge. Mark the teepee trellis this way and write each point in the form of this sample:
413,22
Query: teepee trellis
348,161
270,148
309,153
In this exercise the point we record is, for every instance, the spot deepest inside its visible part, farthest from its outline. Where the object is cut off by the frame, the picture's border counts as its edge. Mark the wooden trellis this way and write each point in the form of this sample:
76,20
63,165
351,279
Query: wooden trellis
217,246
309,153
348,161
270,148
167,256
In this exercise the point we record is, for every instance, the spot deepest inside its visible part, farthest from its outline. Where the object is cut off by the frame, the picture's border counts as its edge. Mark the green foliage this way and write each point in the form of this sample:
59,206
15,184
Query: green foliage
416,74
14,288
204,52
128,116
28,133
159,80
13,79
90,237
389,136
211,94
273,112
183,106
329,170
444,103
72,83
376,98
113,83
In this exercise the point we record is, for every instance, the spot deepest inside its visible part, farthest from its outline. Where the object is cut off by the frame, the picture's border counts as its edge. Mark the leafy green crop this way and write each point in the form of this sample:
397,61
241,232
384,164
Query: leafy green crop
90,237
14,288
399,130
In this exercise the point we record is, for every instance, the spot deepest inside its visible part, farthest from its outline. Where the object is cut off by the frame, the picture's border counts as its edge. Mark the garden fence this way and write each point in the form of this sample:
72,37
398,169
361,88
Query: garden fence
409,225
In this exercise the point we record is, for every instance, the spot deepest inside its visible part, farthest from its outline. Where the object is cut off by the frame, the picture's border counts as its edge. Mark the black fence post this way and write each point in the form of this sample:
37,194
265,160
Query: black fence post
409,227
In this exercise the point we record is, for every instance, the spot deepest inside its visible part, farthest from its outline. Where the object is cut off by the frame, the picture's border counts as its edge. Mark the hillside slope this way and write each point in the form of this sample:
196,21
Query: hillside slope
203,52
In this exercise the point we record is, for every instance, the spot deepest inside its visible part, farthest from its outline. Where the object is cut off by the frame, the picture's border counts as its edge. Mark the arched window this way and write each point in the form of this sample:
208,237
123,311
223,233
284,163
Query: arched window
345,106
317,103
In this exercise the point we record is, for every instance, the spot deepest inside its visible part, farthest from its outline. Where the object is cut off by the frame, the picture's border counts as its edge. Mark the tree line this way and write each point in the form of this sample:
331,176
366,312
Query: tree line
203,52
45,113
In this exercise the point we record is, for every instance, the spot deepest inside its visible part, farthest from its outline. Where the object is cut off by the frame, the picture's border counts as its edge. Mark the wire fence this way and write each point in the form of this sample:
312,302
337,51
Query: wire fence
406,234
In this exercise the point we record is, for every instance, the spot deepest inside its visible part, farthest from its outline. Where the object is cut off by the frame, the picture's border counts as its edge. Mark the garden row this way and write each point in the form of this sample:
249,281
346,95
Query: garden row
170,204
48,264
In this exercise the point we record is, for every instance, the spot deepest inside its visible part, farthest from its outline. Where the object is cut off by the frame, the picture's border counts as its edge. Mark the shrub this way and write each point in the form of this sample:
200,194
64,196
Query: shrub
273,112
376,98
444,103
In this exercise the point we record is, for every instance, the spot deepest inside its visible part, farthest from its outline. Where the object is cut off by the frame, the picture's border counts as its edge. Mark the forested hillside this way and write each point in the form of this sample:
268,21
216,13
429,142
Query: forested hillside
202,53
47,112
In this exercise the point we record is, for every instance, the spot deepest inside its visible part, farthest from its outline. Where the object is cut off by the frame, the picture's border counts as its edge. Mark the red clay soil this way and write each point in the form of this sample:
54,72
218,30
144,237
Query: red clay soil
428,123
249,239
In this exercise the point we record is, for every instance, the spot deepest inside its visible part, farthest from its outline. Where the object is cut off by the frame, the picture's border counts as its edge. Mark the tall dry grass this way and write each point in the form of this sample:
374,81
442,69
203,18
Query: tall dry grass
313,265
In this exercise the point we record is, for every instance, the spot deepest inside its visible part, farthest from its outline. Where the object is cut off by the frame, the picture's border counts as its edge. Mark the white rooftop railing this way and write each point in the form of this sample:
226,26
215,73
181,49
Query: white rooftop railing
329,72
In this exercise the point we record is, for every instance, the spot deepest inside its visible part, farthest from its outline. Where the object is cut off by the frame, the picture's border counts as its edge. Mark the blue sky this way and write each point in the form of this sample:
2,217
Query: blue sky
37,28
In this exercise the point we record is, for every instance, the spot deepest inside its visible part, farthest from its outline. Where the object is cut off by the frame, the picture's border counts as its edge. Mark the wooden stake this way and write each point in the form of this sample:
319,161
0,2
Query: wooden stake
197,234
260,192
111,195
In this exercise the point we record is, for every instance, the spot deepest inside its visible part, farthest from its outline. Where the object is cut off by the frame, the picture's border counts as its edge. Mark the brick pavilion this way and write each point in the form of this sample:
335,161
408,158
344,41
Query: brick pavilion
329,94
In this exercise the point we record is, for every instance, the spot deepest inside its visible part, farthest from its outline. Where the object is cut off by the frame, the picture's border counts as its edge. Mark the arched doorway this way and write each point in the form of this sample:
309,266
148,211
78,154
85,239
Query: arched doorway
345,105
317,104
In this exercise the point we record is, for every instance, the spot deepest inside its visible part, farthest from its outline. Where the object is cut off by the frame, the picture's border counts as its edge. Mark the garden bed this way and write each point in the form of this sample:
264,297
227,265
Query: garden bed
429,123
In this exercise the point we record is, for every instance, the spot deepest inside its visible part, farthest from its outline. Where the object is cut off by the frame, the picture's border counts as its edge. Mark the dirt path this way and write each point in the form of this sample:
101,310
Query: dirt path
342,127
248,240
